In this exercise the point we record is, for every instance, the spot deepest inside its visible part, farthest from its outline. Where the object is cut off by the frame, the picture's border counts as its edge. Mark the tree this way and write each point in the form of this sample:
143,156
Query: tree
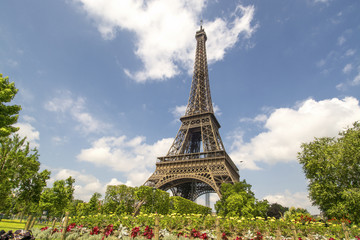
238,200
154,200
276,210
94,203
8,113
332,167
119,199
57,200
20,179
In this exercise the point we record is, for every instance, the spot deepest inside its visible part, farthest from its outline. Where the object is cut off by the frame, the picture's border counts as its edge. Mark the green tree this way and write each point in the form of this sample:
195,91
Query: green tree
94,203
119,199
276,210
20,179
57,200
154,200
238,200
29,192
184,206
74,207
82,209
332,167
8,113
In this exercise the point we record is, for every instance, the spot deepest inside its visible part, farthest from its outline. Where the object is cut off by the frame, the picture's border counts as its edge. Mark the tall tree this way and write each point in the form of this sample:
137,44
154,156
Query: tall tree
238,200
119,199
8,113
276,210
19,172
94,203
57,200
332,167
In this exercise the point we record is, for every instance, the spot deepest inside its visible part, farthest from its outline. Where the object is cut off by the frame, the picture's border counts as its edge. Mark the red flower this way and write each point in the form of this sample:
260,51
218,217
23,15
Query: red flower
148,233
108,230
135,231
223,237
195,233
204,236
44,228
95,231
55,230
71,226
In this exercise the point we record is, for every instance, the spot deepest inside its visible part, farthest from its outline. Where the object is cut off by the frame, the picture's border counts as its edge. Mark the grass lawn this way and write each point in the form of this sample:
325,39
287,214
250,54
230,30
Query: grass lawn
7,225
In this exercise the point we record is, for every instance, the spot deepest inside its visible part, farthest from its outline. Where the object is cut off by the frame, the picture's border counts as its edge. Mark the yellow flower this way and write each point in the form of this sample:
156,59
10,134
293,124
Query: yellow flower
82,216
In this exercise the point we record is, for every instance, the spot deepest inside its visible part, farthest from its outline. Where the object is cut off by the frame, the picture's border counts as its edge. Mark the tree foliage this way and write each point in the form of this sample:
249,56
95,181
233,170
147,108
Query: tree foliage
184,206
8,113
119,199
21,183
332,167
238,200
155,200
276,210
58,199
94,203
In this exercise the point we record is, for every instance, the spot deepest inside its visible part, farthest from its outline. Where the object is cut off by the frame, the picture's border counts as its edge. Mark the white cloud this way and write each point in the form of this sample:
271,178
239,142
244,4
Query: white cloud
28,131
321,63
132,156
178,111
350,52
75,107
341,40
59,140
347,68
165,31
287,128
356,80
289,199
258,118
321,1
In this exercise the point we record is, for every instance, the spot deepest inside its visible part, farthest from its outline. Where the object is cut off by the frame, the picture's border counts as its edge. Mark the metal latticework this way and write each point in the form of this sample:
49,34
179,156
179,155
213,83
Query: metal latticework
197,162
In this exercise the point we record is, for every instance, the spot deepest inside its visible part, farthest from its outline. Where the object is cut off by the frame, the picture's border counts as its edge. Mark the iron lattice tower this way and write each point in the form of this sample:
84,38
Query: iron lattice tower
197,162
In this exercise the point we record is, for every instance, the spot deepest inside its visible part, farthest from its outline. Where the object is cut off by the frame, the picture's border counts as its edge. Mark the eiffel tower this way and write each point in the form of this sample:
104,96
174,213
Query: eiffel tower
197,162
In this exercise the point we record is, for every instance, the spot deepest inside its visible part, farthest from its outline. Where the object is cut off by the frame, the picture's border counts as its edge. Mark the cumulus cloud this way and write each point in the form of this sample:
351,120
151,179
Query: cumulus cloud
131,156
28,131
289,199
287,128
164,31
347,68
75,107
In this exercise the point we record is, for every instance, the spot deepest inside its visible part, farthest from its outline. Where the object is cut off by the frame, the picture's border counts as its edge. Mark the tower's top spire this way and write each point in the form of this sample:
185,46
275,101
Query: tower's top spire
200,97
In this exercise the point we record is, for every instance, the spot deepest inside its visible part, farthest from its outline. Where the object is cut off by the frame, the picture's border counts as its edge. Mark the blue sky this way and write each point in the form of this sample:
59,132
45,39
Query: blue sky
103,83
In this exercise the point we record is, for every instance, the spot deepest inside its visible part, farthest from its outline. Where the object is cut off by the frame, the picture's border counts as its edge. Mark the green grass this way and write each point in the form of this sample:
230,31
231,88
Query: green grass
7,225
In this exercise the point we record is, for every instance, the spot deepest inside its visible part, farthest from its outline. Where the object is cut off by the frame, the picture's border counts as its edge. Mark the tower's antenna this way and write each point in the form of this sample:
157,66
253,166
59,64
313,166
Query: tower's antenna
201,23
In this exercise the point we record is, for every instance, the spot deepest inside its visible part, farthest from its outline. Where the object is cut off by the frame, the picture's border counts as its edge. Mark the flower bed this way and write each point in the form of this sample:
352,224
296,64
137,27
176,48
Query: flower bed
176,226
